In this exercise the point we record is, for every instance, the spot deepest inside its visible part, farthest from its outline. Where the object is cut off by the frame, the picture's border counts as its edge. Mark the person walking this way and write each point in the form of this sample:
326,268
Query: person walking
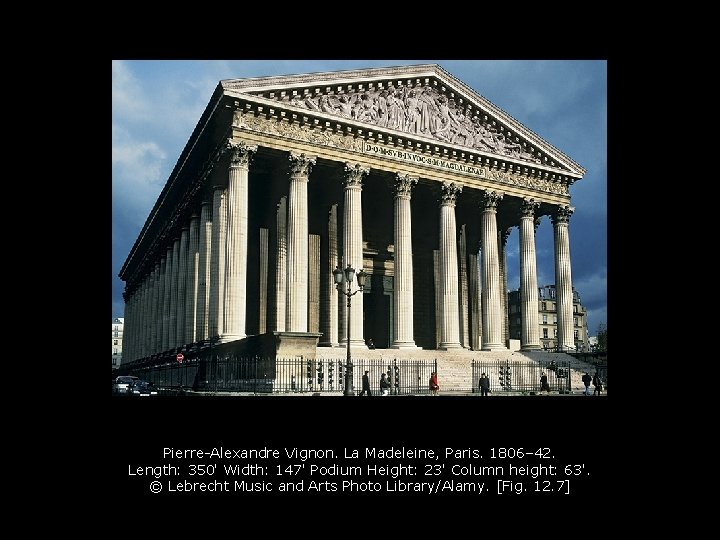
597,383
586,381
366,384
544,386
384,385
434,386
484,385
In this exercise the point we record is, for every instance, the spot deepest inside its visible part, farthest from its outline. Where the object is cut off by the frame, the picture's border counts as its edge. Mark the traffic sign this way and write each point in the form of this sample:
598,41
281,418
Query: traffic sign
180,357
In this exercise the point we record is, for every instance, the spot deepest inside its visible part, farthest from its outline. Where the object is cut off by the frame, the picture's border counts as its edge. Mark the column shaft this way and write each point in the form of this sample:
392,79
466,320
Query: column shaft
491,302
403,286
450,313
217,265
296,317
329,320
154,310
172,333
191,286
281,266
563,279
353,244
166,299
236,243
529,316
203,289
181,285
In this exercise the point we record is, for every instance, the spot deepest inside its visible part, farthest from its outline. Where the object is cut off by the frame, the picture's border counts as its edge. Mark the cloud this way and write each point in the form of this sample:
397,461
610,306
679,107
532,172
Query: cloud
137,175
128,98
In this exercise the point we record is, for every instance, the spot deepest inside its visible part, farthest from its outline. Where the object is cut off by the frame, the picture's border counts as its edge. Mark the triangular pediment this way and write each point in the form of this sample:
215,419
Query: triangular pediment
419,101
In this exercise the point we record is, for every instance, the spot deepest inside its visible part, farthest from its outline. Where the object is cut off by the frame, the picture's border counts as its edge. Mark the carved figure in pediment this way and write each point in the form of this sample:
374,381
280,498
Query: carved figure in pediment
396,110
325,105
343,106
365,109
442,130
484,138
382,109
412,112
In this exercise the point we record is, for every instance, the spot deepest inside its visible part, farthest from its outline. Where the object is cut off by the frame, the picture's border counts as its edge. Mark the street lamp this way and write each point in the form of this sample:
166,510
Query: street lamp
347,277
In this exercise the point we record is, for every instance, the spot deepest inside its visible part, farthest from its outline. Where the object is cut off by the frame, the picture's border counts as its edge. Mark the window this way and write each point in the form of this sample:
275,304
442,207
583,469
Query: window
544,319
552,293
544,306
517,321
115,351
576,323
554,308
577,336
555,333
115,341
116,333
545,333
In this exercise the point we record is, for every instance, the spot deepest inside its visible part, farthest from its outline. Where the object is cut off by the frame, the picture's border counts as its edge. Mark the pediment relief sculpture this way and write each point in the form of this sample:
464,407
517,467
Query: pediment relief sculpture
421,111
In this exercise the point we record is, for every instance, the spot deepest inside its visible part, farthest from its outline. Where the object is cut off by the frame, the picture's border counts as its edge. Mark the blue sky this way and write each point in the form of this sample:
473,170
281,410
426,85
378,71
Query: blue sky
156,105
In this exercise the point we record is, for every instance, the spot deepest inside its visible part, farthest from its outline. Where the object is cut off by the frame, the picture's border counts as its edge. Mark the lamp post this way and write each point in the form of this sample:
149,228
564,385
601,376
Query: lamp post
347,277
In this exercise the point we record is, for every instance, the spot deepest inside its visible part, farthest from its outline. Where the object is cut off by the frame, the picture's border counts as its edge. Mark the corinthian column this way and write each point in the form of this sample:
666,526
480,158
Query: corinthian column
203,288
156,321
352,244
491,301
172,333
296,319
191,283
181,284
403,286
217,264
563,279
449,313
529,319
236,243
166,299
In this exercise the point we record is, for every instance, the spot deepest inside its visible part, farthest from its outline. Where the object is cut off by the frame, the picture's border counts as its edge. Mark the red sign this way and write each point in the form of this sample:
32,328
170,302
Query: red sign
180,357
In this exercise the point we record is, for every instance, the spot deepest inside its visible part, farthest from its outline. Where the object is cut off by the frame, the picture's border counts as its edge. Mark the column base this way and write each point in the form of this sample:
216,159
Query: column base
406,345
227,338
328,344
531,348
494,347
449,346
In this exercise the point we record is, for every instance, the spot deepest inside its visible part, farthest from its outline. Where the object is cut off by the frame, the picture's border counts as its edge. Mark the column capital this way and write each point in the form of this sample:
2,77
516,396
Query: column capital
450,191
404,184
301,164
562,214
528,207
240,153
354,174
490,199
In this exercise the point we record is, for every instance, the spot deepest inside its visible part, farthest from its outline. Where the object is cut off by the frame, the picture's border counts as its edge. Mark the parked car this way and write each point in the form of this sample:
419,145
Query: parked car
143,388
124,383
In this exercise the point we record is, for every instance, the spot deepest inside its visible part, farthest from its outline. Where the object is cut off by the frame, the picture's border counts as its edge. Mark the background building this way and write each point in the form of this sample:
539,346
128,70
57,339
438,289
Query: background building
547,309
117,335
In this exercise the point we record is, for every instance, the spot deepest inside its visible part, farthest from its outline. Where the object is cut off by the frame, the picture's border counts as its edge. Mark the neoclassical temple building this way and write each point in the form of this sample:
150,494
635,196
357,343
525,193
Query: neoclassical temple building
404,172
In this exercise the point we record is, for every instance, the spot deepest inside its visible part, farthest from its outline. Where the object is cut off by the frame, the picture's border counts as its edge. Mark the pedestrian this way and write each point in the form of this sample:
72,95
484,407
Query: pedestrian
366,384
544,386
484,385
384,385
586,381
597,383
370,344
434,386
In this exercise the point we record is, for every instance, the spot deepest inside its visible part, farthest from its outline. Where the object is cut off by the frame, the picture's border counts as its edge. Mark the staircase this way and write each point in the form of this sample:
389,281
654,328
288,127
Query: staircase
454,367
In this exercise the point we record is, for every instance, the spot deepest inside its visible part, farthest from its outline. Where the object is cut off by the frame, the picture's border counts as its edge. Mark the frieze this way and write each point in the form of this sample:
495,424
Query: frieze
297,132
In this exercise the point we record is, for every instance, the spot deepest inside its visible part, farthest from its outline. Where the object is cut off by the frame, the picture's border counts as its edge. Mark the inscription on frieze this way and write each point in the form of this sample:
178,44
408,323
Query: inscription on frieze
316,135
